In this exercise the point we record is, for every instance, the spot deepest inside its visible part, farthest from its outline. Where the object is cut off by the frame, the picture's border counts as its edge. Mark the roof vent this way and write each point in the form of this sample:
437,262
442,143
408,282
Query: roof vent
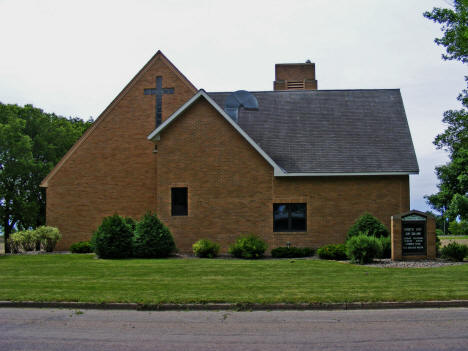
237,99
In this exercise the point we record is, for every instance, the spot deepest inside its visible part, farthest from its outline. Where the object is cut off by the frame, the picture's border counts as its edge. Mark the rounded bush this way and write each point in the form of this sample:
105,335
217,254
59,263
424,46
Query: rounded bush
113,238
368,224
292,252
152,238
81,247
205,248
335,252
386,243
363,249
454,252
48,236
131,222
248,246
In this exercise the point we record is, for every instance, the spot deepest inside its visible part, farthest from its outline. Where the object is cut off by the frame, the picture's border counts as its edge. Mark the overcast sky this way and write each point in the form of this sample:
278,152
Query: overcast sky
74,57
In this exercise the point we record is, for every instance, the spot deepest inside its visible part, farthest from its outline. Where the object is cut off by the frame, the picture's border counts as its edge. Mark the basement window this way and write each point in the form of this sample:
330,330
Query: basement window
179,202
290,217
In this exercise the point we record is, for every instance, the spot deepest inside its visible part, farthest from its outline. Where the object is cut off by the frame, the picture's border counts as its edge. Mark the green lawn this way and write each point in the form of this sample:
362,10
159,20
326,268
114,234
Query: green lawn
84,278
465,237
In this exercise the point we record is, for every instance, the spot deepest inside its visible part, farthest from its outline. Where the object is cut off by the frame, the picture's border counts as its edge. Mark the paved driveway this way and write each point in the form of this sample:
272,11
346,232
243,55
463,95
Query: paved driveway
417,329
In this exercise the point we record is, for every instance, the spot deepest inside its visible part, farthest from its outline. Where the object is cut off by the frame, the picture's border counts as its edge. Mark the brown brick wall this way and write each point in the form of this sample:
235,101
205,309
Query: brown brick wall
113,170
232,188
229,183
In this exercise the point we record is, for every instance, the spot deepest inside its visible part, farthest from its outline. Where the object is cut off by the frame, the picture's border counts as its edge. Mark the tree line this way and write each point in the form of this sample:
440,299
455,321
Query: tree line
31,143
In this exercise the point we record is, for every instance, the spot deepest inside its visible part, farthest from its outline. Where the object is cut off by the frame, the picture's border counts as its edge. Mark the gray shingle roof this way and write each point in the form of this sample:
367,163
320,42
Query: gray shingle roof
331,131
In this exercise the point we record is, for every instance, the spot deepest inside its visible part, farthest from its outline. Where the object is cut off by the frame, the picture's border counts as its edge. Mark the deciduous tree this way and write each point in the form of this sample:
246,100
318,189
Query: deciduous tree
31,143
452,197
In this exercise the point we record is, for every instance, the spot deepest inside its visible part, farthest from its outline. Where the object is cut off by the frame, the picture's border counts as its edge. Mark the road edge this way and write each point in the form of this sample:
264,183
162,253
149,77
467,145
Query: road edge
237,306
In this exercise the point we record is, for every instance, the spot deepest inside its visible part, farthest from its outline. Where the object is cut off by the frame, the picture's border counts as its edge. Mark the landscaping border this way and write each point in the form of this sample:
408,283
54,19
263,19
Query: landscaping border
237,306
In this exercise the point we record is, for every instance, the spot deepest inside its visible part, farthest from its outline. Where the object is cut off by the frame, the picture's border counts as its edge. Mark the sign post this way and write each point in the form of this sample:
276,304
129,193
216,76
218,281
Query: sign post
413,236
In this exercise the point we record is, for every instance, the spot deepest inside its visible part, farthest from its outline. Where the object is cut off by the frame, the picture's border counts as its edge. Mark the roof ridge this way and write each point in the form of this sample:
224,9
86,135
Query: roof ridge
303,91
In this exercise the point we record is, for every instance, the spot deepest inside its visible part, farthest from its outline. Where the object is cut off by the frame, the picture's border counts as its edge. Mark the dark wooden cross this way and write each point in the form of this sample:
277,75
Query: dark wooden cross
159,92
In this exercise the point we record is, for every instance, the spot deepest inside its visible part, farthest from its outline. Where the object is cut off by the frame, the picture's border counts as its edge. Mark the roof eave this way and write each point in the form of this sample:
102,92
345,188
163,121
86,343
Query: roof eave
343,174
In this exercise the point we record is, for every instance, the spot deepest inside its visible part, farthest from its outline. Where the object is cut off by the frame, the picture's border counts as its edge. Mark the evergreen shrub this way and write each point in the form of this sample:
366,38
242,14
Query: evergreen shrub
369,225
454,252
152,238
363,249
81,247
131,222
205,248
113,238
335,252
248,246
386,243
292,252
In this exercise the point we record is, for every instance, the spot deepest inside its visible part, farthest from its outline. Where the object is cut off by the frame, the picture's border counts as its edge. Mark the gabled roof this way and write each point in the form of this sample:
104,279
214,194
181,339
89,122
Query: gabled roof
323,132
155,135
331,132
105,113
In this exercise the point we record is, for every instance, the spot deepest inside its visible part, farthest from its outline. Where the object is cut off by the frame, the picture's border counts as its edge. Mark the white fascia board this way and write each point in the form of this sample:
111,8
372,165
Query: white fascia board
284,174
155,134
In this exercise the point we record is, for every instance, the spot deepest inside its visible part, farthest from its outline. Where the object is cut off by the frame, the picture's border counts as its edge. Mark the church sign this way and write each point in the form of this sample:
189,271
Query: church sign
413,235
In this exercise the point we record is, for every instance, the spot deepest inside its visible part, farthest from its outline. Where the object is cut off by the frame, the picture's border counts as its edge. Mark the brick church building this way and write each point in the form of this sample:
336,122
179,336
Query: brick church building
295,164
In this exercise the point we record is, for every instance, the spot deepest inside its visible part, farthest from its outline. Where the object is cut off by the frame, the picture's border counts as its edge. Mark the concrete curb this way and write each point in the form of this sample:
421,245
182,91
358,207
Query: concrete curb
236,306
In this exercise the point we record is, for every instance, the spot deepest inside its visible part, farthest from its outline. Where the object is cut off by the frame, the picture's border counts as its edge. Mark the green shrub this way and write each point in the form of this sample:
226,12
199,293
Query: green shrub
386,244
28,239
14,241
363,249
205,248
81,247
368,224
454,252
48,236
152,238
248,246
439,232
113,238
291,252
131,222
458,228
335,252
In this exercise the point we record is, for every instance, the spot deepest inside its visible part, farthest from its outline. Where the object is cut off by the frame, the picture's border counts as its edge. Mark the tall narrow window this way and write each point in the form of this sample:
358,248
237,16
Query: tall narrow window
289,217
179,202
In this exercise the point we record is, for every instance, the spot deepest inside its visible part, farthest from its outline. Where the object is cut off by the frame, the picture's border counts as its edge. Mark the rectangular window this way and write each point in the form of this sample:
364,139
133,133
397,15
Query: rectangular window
289,217
179,202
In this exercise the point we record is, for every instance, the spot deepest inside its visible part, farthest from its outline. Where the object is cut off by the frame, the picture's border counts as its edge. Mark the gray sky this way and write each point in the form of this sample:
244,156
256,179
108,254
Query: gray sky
74,57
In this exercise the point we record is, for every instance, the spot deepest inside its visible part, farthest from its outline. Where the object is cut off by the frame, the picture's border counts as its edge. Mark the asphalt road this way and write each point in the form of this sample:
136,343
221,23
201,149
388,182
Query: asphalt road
409,329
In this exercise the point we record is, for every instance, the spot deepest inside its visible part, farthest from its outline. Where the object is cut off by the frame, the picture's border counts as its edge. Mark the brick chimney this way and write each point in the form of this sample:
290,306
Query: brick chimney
295,76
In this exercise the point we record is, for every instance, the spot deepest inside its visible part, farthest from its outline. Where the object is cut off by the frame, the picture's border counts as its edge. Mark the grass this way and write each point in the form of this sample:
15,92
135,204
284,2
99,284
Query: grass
453,237
84,278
